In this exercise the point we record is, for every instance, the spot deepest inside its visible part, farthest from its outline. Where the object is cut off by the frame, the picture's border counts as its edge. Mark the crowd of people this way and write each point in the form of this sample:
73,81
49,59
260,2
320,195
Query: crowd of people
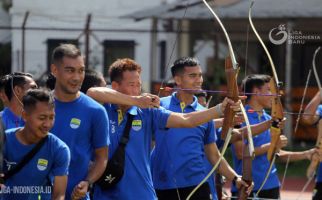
58,140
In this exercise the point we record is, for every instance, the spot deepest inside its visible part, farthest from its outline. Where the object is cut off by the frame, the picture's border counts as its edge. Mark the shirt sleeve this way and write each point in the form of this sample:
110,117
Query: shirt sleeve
100,128
210,135
319,110
219,142
62,160
161,116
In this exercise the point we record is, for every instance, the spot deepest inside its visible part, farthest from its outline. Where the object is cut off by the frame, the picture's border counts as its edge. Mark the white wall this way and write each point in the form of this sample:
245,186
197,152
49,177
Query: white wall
72,14
4,21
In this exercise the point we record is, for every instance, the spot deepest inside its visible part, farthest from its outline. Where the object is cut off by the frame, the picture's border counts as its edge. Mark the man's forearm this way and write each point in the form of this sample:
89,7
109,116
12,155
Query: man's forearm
98,166
201,117
310,110
239,134
107,95
261,127
226,170
262,149
295,156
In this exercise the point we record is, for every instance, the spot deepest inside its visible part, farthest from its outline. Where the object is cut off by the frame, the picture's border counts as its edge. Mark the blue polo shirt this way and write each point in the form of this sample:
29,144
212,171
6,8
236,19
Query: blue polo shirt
136,182
212,178
51,160
260,163
83,125
179,157
319,173
10,120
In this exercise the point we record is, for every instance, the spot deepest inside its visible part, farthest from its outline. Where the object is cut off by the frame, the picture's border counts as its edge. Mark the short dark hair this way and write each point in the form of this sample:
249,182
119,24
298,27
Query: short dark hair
92,79
15,79
64,50
121,65
50,81
33,96
3,81
178,65
254,81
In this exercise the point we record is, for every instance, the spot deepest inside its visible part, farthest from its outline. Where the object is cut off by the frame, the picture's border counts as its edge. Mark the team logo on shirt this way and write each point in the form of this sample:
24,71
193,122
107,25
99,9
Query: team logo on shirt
136,125
42,164
75,123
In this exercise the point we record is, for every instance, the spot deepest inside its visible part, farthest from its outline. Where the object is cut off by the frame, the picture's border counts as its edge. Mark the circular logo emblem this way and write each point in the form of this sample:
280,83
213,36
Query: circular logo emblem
278,35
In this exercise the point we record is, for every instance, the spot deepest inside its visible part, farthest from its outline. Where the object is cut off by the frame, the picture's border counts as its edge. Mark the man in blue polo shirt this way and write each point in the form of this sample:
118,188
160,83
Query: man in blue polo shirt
314,114
136,182
51,161
15,86
259,84
80,122
179,156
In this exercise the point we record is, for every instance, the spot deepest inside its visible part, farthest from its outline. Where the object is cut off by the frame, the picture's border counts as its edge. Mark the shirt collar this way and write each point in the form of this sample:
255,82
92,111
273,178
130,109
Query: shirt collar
133,110
252,113
176,101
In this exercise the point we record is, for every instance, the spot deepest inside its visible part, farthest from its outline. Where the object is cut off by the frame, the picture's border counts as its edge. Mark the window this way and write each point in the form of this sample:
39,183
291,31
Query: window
116,49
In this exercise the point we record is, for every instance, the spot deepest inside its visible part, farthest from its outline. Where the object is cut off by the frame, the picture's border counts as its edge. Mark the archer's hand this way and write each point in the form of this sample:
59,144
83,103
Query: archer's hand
281,124
240,182
309,153
233,105
80,190
147,100
282,142
238,118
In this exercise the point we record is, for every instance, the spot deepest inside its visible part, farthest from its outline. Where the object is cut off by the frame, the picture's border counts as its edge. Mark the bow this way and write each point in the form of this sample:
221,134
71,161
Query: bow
231,69
315,72
315,158
277,108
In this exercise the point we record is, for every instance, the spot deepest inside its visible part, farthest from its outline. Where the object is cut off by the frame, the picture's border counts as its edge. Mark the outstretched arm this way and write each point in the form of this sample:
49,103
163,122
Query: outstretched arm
301,155
193,119
107,95
312,116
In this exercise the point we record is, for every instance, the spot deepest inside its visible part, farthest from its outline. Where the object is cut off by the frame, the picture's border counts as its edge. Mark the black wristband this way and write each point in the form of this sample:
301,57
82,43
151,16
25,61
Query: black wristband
234,180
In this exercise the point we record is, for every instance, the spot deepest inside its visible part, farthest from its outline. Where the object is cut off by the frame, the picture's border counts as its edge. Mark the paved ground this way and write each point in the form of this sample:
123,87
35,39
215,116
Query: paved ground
292,189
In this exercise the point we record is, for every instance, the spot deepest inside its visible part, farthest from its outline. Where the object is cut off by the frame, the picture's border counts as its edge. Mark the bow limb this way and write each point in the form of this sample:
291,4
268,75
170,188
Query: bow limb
248,156
277,108
315,157
232,69
263,45
231,51
315,71
315,161
214,167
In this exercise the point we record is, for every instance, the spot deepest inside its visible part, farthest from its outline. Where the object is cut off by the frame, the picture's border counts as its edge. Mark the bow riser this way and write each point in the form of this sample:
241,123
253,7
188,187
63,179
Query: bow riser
277,114
232,93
